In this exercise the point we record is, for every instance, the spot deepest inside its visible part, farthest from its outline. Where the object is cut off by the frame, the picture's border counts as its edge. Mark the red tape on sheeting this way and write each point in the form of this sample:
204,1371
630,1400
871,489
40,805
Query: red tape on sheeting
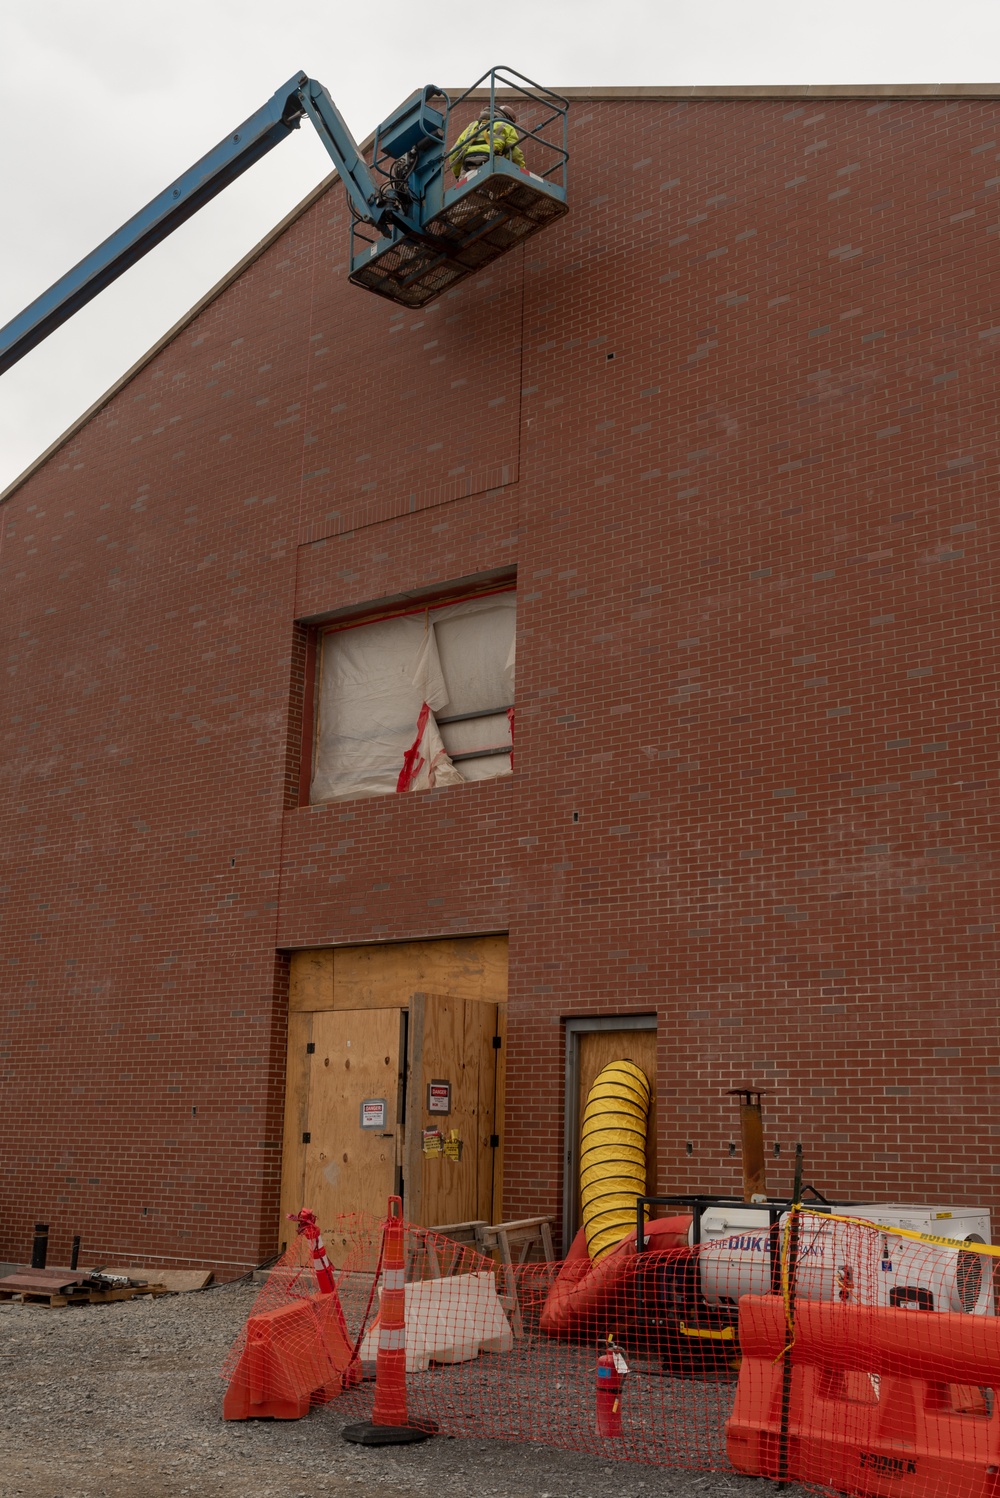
413,760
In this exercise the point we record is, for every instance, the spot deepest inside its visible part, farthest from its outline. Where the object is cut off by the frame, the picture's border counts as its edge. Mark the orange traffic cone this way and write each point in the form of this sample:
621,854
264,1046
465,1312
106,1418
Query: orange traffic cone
389,1425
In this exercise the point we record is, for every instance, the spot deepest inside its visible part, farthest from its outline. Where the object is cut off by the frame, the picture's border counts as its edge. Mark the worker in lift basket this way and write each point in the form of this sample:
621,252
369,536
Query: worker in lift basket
473,145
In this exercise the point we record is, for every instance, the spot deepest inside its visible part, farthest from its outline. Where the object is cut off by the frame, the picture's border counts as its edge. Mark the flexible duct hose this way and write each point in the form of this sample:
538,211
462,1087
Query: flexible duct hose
613,1154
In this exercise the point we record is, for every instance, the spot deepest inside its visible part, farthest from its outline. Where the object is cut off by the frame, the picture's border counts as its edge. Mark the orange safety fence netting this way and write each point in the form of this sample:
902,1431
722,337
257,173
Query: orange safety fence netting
827,1352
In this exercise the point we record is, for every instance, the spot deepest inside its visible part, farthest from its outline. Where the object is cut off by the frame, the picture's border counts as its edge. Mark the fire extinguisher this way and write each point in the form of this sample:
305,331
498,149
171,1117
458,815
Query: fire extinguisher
611,1370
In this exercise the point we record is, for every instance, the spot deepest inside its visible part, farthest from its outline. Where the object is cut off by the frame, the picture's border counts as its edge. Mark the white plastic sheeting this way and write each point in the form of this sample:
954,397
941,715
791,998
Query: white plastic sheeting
384,685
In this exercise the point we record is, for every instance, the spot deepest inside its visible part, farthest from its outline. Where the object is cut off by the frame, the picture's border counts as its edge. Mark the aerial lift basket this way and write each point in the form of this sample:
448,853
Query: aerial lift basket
487,212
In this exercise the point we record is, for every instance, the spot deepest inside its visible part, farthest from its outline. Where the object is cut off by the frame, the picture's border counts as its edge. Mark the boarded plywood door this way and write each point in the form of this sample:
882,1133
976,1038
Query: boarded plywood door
596,1049
451,1040
332,1163
354,1003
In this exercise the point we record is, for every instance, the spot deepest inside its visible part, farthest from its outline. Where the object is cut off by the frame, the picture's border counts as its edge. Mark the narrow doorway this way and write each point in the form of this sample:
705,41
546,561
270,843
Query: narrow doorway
590,1045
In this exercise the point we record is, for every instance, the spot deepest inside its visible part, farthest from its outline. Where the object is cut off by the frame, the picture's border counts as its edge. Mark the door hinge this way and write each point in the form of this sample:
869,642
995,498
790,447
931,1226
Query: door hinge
310,1047
494,1141
497,1042
307,1138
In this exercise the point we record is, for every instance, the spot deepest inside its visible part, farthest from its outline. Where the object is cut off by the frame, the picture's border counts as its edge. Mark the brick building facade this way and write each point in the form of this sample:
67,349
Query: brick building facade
731,426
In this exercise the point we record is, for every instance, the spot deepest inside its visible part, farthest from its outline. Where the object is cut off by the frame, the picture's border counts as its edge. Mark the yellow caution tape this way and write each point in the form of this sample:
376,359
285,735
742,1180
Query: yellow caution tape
993,1249
786,1289
959,1244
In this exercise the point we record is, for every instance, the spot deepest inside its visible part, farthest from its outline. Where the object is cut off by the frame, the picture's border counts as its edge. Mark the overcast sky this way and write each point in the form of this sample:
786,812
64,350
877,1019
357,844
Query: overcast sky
106,101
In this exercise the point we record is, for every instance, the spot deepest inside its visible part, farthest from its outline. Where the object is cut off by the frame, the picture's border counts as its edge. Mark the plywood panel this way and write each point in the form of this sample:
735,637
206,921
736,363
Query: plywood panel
450,1191
310,980
384,976
480,1031
499,1115
597,1048
358,1055
451,1039
413,1174
293,1151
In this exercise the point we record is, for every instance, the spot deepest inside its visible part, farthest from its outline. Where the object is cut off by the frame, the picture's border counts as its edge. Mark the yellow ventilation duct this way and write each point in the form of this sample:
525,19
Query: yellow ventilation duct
613,1154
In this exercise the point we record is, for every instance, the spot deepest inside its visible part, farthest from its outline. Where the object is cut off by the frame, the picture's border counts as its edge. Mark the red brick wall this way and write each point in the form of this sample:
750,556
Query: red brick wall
755,551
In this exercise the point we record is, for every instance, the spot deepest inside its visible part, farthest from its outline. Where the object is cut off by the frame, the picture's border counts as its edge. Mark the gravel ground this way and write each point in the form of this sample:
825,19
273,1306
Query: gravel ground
124,1401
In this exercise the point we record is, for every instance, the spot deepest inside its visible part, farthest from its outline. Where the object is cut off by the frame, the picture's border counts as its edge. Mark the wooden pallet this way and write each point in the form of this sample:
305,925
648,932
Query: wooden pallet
79,1297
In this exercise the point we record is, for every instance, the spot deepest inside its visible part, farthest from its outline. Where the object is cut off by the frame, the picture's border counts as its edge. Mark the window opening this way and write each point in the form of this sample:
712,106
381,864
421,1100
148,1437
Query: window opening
415,700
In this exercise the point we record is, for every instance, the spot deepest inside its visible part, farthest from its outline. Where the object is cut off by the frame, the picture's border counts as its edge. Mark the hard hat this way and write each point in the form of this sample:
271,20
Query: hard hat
507,112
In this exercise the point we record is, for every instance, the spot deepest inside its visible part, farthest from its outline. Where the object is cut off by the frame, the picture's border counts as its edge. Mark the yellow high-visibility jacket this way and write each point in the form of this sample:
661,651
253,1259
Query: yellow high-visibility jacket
475,141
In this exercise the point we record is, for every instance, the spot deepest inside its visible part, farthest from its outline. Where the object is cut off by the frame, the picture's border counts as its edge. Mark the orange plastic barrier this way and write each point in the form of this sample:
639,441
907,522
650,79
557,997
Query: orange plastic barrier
881,1401
584,1294
293,1356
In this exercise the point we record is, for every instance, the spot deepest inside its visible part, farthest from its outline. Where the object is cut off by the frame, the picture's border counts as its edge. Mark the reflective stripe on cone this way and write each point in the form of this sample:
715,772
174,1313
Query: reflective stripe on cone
390,1361
389,1425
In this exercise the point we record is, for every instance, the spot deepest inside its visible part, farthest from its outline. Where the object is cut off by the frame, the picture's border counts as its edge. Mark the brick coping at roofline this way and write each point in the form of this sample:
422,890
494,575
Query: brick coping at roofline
780,91
597,94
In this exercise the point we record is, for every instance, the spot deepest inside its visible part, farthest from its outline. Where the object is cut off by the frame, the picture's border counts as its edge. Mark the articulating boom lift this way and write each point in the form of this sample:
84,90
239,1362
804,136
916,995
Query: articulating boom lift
415,232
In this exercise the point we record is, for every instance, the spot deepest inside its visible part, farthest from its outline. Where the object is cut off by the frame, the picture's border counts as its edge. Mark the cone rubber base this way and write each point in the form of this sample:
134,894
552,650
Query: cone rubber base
367,1434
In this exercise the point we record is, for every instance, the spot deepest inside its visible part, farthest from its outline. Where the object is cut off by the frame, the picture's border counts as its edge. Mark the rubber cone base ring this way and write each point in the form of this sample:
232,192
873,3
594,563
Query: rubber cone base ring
367,1434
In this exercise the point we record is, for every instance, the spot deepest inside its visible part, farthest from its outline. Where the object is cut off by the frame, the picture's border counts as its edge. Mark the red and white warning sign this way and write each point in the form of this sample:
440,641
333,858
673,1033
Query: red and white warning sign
373,1113
438,1096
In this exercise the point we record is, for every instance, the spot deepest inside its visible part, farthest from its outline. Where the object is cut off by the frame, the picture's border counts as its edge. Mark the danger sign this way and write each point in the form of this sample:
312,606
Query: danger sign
373,1113
438,1097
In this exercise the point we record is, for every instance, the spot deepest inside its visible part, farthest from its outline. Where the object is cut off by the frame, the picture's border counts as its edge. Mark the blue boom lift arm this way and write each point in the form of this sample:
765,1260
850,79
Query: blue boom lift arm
412,235
273,123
